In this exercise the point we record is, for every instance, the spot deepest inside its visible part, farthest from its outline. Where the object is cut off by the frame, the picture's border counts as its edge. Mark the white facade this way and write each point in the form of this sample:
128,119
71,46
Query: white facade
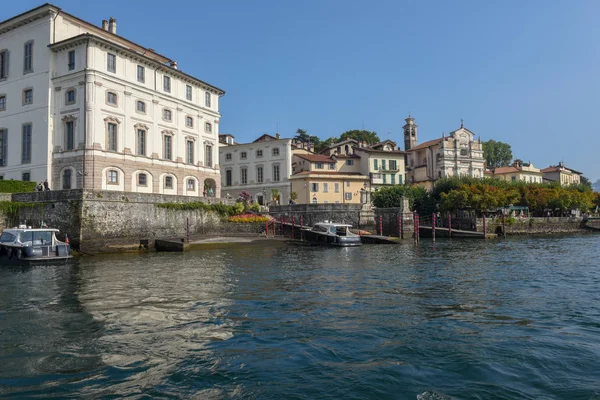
257,167
457,154
106,113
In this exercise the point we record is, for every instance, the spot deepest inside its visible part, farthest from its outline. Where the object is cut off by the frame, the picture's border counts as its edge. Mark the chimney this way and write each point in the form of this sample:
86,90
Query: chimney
104,25
173,64
112,25
277,135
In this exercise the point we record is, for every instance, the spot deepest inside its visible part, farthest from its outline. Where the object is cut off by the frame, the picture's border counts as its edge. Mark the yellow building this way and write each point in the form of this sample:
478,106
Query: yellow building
519,172
318,178
560,173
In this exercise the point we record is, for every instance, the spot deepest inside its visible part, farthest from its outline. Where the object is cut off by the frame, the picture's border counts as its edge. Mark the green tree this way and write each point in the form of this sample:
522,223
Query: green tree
275,194
585,182
304,137
325,144
496,154
361,135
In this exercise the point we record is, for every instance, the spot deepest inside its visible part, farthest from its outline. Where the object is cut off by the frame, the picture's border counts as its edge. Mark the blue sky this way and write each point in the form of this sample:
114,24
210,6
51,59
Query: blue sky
521,72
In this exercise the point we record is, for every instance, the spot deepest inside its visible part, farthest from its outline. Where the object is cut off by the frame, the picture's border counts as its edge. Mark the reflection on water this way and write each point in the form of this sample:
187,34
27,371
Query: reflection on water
518,318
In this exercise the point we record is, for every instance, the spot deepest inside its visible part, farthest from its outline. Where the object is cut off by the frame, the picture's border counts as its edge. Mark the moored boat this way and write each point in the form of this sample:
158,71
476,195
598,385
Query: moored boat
332,234
26,245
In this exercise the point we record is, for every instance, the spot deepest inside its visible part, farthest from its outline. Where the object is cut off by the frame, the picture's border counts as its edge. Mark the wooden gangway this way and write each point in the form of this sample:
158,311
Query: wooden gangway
440,232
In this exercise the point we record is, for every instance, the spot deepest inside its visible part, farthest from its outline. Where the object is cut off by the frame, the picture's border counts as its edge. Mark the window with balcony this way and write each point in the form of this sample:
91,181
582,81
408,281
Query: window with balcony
167,147
189,151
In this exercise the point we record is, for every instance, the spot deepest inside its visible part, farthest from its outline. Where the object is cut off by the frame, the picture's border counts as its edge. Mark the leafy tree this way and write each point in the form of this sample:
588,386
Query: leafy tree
294,196
302,136
325,144
275,194
361,135
586,182
496,154
391,196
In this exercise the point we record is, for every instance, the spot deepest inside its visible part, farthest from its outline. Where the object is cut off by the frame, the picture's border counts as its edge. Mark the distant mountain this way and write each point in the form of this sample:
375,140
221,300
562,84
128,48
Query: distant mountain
596,186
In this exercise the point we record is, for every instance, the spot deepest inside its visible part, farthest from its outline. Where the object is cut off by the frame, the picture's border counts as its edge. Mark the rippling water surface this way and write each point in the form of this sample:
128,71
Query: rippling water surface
510,319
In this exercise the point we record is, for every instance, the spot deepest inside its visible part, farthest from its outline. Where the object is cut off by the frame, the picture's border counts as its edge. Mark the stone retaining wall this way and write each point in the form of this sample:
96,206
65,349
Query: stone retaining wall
534,225
106,221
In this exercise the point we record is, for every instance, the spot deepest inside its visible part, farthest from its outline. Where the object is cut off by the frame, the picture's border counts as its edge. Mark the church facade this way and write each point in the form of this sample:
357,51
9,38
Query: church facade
457,154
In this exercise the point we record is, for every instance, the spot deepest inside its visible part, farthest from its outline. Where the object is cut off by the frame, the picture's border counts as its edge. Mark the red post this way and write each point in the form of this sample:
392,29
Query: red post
433,223
449,225
400,225
381,225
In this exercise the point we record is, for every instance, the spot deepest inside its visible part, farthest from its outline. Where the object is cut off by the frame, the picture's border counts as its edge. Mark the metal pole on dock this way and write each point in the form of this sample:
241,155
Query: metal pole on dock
187,230
449,225
433,223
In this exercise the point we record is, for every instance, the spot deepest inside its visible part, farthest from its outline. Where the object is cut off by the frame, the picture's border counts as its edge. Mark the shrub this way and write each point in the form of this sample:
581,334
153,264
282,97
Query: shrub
16,186
248,218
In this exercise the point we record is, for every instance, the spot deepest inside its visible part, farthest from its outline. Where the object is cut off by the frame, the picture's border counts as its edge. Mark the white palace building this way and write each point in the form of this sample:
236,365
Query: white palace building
86,108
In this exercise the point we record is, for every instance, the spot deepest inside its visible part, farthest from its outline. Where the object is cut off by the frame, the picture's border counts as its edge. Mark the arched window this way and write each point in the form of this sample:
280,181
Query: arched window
66,181
142,179
113,176
140,107
168,182
191,184
208,127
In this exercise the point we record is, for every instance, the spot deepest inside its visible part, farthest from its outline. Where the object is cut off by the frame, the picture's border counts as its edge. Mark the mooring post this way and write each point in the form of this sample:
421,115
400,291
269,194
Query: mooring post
433,223
400,227
281,225
187,229
301,226
381,225
503,225
449,225
267,228
293,226
484,230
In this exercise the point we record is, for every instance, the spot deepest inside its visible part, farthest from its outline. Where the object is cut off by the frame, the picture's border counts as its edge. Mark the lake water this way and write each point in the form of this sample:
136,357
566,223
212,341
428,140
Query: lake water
511,319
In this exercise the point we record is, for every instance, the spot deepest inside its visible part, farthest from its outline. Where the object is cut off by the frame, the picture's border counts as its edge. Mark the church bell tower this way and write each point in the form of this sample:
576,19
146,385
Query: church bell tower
410,133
